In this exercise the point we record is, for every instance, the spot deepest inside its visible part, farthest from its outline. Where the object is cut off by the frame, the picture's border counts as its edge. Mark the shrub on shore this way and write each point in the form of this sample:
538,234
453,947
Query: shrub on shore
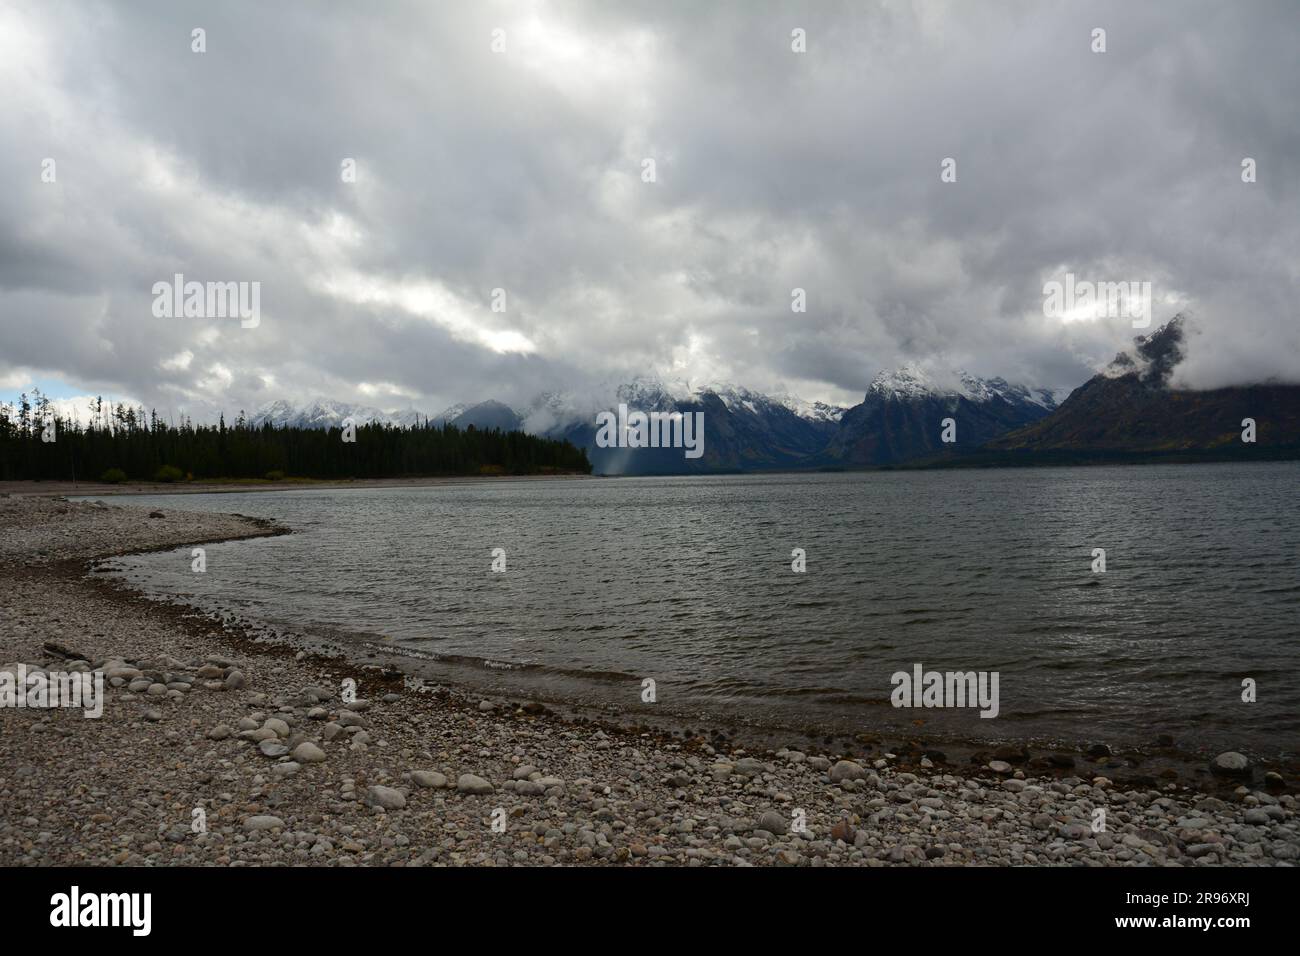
168,473
113,476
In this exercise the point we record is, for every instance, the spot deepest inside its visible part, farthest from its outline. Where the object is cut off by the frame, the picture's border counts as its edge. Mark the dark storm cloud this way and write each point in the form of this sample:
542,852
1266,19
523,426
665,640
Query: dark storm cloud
522,171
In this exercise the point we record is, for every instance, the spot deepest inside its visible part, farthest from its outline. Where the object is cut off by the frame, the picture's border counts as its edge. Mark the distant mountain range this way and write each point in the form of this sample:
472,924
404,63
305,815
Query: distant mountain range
1127,410
744,429
328,414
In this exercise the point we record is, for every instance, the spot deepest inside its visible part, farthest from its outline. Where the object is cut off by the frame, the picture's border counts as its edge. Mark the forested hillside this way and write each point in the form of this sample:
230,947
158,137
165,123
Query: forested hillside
123,443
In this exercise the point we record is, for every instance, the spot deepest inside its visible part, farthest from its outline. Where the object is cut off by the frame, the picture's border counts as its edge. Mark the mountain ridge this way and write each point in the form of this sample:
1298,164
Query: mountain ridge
1131,408
1127,411
747,430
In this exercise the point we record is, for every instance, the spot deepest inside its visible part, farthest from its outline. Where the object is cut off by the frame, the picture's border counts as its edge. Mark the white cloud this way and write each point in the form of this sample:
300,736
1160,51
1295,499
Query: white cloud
178,362
428,299
522,171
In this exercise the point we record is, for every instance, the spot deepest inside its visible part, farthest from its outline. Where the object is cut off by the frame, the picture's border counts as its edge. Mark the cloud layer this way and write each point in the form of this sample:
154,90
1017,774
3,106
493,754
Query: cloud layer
522,171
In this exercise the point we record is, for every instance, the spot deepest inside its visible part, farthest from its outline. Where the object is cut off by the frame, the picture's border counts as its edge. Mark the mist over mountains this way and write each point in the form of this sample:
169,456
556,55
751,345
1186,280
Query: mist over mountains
1134,408
1128,409
919,414
745,429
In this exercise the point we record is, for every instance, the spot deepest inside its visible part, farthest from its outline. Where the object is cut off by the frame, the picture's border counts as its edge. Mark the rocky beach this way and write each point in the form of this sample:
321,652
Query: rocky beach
219,748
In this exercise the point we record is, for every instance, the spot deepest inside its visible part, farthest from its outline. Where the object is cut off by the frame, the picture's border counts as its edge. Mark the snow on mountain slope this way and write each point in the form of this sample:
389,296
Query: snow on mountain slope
817,412
449,414
326,413
913,380
746,428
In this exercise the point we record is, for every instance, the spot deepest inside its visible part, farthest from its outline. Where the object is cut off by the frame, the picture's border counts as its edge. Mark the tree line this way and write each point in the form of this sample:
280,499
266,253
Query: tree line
120,443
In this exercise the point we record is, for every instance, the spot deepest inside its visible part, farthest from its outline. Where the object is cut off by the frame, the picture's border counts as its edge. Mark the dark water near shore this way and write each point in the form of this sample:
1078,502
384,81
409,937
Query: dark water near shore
687,581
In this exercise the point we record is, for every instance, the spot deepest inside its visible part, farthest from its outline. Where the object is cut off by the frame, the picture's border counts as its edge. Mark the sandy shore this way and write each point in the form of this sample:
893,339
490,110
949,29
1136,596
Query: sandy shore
202,722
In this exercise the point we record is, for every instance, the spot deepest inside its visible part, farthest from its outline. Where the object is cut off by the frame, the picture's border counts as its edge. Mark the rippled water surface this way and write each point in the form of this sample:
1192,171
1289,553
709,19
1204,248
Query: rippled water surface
688,581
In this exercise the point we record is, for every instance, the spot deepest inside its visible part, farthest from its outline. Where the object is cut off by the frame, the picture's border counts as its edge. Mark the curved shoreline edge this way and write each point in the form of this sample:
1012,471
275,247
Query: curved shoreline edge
1180,766
1150,765
841,780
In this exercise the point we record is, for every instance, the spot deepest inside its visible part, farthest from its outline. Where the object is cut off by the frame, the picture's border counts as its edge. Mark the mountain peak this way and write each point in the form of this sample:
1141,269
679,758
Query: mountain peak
909,380
821,412
1156,355
318,413
913,381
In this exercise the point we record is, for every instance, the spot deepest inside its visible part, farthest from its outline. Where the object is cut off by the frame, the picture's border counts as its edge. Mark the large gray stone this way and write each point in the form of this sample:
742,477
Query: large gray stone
1231,764
272,748
263,823
308,752
386,797
847,770
468,783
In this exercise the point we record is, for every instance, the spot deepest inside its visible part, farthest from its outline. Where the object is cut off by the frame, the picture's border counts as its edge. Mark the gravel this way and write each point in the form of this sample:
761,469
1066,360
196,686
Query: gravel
286,773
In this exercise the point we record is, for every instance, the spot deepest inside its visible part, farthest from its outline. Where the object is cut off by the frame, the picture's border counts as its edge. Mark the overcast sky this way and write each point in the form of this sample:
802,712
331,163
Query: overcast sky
522,170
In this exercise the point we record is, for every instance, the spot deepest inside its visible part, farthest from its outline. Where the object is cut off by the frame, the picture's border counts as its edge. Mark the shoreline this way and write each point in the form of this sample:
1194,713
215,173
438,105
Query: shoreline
588,766
95,489
1153,764
98,489
1146,760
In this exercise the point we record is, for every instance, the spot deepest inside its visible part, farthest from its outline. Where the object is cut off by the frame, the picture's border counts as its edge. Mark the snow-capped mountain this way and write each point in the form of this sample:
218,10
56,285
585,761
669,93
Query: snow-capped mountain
912,381
324,413
901,415
985,389
818,412
744,429
737,398
448,415
407,418
653,394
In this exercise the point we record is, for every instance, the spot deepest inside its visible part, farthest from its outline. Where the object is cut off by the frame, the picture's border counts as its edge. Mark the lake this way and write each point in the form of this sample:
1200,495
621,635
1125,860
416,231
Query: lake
688,582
